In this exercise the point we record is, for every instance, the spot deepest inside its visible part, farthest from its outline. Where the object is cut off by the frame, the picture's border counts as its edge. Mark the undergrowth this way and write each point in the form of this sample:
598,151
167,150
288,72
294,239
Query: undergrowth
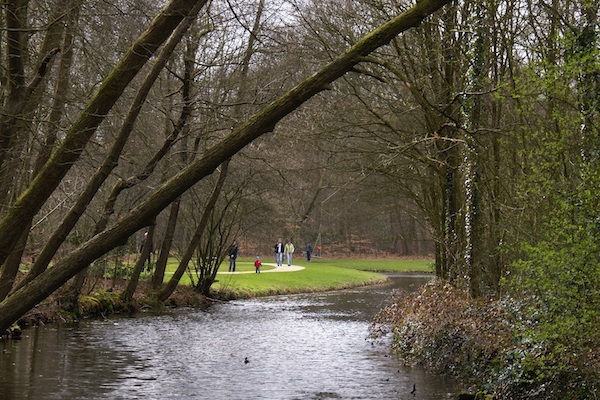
484,343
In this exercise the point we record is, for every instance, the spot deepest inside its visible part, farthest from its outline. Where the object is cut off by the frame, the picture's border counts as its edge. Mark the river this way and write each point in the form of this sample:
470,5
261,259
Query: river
308,346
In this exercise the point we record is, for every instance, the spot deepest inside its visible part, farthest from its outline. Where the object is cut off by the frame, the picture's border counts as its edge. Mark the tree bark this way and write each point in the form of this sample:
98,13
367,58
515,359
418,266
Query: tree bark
127,294
16,305
189,251
474,231
29,203
111,160
16,18
165,248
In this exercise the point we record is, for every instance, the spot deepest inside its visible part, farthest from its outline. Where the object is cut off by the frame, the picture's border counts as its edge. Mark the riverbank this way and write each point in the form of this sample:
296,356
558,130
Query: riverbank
102,301
484,343
320,275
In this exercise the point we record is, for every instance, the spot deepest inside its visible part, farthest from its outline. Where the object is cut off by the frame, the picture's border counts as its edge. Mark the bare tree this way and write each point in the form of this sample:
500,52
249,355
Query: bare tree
27,297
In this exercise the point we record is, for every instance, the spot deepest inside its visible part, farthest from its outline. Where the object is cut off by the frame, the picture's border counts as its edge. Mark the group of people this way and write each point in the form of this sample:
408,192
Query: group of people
288,250
280,249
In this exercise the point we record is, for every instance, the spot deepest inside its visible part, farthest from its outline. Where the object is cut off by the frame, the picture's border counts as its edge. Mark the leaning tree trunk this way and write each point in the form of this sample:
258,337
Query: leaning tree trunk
21,301
29,203
111,160
56,113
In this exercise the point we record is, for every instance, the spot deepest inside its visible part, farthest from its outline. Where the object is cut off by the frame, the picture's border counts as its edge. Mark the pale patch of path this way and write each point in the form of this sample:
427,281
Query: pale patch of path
283,268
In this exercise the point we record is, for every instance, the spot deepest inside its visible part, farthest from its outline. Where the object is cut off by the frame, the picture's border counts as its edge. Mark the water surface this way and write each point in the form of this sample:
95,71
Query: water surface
309,346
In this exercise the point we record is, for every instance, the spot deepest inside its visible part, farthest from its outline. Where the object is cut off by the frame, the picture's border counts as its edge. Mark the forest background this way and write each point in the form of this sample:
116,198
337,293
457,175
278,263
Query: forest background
473,138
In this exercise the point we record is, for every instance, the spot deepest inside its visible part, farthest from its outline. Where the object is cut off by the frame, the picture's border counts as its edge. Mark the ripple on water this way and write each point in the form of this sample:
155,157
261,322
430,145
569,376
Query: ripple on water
297,347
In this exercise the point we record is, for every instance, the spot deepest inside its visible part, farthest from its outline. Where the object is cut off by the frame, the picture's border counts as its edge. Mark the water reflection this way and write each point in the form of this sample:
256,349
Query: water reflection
309,346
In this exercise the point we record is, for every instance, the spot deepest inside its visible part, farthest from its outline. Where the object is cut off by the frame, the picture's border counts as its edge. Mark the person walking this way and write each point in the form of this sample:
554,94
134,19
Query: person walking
233,252
257,264
150,253
309,250
279,252
289,250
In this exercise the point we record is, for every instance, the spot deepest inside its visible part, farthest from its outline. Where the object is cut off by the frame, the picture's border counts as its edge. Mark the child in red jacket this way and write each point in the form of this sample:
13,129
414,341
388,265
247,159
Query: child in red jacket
257,264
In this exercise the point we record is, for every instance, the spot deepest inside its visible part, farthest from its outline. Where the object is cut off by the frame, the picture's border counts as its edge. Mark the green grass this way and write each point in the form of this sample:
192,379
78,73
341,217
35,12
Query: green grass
242,264
313,278
378,265
319,275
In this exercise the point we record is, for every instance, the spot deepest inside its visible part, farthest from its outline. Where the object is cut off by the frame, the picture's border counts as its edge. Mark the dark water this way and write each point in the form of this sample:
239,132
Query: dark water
310,346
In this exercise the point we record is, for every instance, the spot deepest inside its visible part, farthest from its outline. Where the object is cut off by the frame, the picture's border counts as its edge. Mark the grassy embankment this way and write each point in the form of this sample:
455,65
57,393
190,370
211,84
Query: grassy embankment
318,275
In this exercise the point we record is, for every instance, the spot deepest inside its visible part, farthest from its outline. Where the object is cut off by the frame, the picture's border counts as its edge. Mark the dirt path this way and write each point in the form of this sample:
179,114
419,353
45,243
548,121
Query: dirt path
283,268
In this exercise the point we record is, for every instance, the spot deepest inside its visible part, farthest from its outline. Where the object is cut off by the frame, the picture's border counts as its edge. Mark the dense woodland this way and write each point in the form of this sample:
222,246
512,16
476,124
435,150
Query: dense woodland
468,131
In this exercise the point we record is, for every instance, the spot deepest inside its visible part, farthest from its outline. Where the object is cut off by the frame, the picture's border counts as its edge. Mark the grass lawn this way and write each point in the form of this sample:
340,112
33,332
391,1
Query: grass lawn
319,275
242,264
313,278
378,265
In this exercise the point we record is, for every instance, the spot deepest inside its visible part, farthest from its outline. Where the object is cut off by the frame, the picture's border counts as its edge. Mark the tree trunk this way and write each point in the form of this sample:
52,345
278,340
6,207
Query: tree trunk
111,160
474,230
16,20
165,248
127,294
29,203
21,301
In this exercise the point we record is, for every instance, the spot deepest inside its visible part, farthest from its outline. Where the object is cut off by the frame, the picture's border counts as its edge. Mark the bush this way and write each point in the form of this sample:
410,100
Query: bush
441,328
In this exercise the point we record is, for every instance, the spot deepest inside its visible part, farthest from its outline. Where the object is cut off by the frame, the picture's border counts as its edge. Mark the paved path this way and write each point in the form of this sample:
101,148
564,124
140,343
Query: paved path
283,268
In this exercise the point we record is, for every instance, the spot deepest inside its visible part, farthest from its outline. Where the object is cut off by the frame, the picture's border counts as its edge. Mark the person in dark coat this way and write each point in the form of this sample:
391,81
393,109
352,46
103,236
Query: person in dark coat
309,250
279,252
233,252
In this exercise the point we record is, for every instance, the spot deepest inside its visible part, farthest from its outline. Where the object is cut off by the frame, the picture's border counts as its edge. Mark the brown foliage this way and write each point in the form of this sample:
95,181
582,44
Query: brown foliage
444,329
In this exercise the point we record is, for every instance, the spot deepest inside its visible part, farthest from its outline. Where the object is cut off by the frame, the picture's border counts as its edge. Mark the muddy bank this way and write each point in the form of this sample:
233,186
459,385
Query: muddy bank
102,301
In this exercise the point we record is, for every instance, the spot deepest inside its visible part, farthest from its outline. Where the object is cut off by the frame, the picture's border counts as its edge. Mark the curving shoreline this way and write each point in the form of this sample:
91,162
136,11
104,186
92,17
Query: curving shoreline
297,279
